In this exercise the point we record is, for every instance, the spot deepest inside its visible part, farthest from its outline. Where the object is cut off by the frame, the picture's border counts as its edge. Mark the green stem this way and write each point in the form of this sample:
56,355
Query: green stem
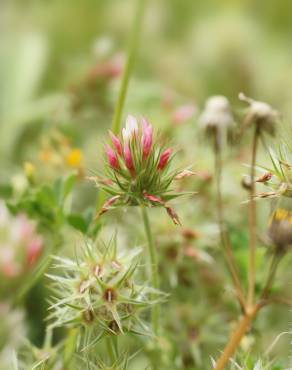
225,241
131,54
271,274
132,49
153,269
70,347
252,223
111,351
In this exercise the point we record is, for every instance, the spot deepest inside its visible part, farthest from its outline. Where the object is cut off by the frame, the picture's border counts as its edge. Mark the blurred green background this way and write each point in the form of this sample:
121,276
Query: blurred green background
60,63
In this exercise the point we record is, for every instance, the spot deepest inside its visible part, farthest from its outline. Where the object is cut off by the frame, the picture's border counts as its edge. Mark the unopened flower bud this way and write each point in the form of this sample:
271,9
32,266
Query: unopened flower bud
173,215
116,143
112,158
131,128
164,159
128,158
147,132
183,174
108,204
265,177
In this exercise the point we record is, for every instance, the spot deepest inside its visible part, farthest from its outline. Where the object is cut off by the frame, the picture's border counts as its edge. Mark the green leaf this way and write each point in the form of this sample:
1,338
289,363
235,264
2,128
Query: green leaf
58,190
5,191
68,185
78,222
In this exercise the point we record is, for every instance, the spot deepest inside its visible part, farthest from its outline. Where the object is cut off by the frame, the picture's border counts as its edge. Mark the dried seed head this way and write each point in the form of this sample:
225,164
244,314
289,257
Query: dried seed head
246,182
217,119
280,229
261,114
217,113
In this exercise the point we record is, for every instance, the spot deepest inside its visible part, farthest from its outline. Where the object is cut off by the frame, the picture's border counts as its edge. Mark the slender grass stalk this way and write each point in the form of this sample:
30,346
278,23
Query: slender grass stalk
153,269
132,50
225,241
252,223
131,55
271,274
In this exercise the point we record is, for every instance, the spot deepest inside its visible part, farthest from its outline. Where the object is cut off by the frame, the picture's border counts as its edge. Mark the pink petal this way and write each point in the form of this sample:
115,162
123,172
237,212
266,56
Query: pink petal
112,158
116,143
164,159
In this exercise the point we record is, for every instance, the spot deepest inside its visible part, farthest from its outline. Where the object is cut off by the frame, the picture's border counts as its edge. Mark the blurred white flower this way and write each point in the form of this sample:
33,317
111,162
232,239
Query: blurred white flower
260,113
217,118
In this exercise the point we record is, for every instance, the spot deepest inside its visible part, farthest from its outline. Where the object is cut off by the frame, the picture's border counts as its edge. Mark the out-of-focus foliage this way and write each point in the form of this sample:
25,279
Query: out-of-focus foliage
60,70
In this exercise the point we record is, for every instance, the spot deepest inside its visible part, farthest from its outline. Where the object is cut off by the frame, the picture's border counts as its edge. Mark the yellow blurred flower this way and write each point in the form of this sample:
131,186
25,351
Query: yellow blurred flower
29,169
74,158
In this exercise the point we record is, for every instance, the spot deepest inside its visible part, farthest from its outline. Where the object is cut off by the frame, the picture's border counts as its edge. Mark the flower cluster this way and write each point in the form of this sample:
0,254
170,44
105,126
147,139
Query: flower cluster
98,293
20,246
138,170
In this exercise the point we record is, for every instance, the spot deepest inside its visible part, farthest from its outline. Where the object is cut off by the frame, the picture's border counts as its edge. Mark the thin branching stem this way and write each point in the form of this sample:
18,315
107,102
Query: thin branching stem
276,258
153,269
236,337
252,222
225,241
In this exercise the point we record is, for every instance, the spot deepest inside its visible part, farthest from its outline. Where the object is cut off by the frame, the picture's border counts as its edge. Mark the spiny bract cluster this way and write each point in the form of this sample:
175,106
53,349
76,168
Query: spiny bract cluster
98,293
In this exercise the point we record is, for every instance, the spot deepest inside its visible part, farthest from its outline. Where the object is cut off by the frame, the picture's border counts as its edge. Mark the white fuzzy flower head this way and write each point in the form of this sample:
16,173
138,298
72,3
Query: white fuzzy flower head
216,113
260,113
130,129
217,118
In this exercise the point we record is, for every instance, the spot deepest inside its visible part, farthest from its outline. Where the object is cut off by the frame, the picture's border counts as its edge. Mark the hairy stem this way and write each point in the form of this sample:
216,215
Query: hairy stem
153,269
225,241
252,223
132,49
